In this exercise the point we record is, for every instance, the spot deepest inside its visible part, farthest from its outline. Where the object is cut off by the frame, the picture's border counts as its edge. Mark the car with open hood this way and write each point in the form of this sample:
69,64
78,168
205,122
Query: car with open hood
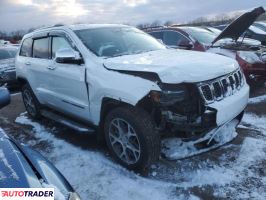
230,42
128,88
256,31
22,167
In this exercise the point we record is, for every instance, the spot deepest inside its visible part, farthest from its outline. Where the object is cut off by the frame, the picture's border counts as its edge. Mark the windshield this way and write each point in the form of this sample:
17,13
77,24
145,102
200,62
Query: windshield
257,30
261,26
203,36
215,30
7,53
117,41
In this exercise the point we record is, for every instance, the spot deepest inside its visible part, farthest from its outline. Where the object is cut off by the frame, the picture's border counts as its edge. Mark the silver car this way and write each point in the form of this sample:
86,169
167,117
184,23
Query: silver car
7,65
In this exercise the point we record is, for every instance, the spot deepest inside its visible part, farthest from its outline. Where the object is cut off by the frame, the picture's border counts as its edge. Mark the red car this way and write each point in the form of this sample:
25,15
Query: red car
249,53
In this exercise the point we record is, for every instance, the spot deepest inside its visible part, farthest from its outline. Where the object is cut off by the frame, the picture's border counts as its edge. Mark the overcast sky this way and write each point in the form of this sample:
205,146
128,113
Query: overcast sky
24,14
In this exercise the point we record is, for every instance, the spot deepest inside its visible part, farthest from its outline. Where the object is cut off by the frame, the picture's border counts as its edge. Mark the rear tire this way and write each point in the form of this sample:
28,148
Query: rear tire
30,101
131,137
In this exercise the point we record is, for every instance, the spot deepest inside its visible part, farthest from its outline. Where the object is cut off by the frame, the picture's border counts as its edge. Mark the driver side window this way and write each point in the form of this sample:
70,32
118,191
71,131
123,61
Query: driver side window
59,43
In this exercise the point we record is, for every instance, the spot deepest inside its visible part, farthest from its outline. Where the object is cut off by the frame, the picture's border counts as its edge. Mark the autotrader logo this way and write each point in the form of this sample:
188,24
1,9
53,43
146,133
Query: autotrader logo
26,194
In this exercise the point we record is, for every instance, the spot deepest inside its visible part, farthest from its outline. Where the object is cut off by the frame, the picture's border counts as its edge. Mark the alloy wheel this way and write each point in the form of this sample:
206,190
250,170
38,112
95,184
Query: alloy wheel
124,141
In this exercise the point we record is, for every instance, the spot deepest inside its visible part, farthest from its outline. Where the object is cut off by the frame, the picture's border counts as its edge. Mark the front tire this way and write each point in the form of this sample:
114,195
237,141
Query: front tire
131,137
30,101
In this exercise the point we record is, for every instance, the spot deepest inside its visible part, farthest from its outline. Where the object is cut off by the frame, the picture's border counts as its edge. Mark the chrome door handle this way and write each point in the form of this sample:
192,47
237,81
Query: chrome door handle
27,63
51,67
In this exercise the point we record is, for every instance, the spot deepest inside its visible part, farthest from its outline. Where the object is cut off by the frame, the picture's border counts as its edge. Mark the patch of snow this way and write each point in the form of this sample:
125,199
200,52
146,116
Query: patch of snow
256,122
96,177
175,148
255,149
2,175
6,163
258,99
225,178
215,176
15,94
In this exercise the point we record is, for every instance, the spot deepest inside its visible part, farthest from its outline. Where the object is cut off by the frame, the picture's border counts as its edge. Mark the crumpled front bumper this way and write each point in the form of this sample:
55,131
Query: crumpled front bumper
217,114
230,107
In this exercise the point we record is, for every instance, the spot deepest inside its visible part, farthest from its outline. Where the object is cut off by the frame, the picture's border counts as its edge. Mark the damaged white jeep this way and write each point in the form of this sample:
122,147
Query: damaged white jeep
129,87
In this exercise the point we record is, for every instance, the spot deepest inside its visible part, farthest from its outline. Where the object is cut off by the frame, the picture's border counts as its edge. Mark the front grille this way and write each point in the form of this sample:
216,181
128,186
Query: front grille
222,87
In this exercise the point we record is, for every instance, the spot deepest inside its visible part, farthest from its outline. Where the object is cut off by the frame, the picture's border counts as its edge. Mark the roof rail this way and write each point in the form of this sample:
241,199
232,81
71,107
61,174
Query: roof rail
152,28
45,27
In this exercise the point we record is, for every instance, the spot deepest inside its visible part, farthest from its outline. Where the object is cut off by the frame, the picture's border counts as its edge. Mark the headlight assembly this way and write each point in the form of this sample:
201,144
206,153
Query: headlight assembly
168,97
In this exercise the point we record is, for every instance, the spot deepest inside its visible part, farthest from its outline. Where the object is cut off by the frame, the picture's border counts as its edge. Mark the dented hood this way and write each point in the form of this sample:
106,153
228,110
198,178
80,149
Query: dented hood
175,66
240,25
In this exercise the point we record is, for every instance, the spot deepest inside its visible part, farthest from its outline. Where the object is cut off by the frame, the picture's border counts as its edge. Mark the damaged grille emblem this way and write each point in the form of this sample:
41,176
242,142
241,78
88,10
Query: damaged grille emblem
220,88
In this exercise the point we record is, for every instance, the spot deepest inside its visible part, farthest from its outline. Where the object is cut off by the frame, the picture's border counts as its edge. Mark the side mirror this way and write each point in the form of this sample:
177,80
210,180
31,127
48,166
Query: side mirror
188,45
68,56
4,97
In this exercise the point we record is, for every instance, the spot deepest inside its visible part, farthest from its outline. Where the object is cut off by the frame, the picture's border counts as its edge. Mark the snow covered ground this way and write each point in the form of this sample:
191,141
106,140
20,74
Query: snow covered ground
95,176
234,171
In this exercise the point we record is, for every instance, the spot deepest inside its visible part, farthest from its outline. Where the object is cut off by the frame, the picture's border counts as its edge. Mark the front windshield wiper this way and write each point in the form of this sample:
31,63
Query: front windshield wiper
120,54
127,53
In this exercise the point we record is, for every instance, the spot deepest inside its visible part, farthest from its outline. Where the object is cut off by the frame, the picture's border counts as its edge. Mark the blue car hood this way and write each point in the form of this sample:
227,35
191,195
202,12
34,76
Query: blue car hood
22,167
15,171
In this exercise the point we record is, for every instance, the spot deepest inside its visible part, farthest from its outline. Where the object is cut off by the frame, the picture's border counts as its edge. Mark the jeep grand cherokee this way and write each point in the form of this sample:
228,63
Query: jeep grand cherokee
124,83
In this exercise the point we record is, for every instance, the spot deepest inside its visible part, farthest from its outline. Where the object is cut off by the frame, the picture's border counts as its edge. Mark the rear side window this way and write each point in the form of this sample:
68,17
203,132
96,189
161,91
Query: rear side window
172,38
157,35
26,48
41,48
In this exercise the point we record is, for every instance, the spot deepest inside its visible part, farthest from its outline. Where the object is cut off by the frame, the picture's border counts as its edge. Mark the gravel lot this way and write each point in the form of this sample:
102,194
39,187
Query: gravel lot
234,171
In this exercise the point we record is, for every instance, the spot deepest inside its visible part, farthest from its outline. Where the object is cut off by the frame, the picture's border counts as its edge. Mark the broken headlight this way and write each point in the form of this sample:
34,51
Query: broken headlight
167,97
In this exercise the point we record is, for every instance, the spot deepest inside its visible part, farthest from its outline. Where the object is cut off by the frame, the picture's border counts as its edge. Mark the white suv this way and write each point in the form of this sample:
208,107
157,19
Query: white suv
126,85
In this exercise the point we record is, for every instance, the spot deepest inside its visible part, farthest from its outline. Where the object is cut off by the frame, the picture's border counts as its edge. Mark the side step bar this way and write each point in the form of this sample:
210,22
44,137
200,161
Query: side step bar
65,121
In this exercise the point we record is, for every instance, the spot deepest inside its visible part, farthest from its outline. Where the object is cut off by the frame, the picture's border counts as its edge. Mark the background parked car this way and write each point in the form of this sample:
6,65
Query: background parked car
248,52
7,65
256,31
260,25
29,169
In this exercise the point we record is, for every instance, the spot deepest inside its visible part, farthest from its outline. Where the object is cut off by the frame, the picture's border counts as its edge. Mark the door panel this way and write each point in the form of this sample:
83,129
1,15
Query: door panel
38,74
68,85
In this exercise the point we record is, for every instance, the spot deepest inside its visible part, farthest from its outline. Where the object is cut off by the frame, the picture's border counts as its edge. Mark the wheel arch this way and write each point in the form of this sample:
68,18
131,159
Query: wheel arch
22,81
